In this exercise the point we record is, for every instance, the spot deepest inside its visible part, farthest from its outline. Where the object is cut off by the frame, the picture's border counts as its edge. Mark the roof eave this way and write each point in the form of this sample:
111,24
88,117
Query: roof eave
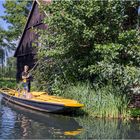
15,54
33,5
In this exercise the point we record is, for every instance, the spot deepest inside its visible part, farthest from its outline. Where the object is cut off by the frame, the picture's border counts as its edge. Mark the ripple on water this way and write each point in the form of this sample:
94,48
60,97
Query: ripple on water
21,123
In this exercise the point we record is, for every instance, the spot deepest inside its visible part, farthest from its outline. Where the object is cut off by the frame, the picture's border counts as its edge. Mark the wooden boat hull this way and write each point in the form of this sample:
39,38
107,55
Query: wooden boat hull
39,106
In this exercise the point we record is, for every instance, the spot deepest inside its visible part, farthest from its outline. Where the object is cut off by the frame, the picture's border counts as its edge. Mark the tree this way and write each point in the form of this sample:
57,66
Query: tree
2,36
11,67
16,12
2,60
87,40
2,52
2,57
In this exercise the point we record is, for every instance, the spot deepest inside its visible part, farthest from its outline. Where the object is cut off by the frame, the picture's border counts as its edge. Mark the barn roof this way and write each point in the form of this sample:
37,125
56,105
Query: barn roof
28,19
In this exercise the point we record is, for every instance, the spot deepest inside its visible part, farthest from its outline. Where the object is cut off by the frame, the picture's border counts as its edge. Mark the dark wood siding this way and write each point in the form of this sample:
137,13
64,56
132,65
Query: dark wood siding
25,52
36,18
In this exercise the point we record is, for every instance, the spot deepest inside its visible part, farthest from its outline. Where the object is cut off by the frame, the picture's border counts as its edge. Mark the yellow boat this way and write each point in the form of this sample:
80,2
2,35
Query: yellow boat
41,101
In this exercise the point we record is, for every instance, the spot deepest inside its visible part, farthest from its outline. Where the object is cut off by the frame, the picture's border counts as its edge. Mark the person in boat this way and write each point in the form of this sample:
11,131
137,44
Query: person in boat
26,79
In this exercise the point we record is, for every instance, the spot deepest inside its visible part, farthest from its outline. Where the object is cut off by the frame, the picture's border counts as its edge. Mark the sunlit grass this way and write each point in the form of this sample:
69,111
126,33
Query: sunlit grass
7,83
106,101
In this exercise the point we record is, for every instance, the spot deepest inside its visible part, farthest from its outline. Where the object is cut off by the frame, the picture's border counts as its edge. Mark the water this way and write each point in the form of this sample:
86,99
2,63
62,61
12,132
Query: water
21,123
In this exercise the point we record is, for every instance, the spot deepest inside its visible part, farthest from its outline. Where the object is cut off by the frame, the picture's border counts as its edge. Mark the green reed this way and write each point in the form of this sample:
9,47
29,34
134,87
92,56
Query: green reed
106,101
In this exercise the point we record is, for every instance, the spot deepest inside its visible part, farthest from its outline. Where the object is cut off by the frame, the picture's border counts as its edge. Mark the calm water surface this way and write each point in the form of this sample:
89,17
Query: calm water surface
20,123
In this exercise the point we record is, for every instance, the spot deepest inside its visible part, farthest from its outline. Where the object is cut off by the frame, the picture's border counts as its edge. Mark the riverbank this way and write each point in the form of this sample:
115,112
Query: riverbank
106,102
7,83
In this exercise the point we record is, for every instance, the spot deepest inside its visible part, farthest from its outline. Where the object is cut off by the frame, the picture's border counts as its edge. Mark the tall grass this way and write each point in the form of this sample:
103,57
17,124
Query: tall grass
107,101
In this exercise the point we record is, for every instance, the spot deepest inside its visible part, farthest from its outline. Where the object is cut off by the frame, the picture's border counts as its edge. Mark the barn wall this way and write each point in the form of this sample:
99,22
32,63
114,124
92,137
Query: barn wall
36,18
35,22
26,52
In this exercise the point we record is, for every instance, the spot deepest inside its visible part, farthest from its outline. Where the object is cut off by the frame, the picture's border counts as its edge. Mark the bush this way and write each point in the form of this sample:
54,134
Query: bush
7,83
89,43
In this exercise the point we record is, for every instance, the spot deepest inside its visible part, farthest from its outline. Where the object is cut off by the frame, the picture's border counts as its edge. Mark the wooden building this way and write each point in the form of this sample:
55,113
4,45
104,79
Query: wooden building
25,53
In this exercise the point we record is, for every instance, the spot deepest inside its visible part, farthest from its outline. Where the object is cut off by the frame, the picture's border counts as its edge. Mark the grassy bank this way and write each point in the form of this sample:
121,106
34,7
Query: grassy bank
107,101
102,102
7,83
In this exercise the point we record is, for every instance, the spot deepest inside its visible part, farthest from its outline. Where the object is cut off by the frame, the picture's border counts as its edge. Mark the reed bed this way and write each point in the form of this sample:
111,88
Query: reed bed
107,101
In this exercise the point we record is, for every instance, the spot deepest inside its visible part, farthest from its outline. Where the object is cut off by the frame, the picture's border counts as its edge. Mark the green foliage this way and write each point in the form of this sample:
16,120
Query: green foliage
7,83
2,36
90,41
8,71
16,12
2,56
135,112
87,40
106,101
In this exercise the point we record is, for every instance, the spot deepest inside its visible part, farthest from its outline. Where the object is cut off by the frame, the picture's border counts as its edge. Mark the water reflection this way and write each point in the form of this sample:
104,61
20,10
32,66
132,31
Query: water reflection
7,122
109,128
20,123
32,124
